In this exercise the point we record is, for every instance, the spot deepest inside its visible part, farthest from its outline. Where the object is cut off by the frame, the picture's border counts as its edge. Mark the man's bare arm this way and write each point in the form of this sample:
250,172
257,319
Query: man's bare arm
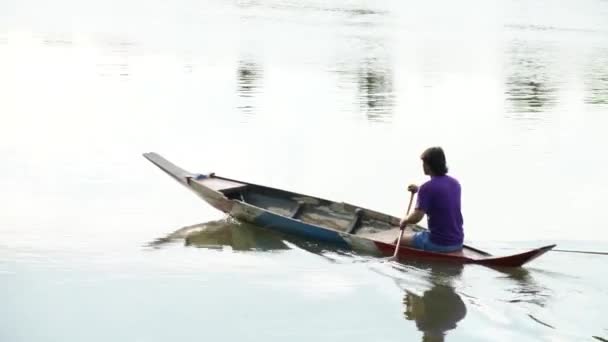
412,218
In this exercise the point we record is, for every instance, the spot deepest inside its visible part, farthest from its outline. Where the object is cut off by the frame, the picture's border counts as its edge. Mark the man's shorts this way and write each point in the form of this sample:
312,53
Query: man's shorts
422,241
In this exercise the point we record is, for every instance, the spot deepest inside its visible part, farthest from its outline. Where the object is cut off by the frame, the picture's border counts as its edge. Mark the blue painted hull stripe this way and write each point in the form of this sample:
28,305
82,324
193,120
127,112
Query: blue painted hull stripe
289,226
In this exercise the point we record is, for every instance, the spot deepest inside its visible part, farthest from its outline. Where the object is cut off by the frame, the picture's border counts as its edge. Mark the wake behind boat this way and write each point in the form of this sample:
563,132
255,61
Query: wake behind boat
342,224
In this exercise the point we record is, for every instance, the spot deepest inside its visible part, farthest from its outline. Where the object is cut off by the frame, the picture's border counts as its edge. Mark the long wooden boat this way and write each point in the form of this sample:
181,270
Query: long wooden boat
342,224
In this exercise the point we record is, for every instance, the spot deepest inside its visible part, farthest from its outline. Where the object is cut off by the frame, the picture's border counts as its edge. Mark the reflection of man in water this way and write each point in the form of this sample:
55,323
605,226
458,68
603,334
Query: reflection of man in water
437,311
439,308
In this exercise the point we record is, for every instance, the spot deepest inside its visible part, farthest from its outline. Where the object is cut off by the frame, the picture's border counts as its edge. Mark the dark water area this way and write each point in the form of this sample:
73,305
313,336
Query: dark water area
336,100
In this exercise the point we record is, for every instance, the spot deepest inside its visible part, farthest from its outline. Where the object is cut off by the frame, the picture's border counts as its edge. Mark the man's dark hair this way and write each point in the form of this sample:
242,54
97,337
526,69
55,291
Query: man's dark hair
435,159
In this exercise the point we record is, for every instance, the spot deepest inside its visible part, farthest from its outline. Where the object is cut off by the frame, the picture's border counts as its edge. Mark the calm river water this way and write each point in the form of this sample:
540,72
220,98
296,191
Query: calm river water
335,99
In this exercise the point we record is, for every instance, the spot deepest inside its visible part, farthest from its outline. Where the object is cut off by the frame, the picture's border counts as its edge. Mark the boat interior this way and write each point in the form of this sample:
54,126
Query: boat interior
338,216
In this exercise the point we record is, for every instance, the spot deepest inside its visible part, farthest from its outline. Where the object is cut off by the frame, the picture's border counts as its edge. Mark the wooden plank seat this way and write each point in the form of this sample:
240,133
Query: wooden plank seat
297,210
356,222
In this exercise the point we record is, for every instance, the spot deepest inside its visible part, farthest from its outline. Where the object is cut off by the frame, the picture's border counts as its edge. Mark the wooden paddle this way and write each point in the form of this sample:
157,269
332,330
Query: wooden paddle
409,206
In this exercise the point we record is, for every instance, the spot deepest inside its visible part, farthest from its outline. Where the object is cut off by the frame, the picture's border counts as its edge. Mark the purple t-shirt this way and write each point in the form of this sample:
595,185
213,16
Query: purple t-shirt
439,198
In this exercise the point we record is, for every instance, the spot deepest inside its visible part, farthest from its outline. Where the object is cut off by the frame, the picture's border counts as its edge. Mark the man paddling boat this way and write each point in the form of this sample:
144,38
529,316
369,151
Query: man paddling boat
284,211
439,200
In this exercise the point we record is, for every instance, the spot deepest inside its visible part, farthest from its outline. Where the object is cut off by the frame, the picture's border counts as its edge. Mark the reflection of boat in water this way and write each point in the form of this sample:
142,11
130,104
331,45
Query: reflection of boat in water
344,225
242,236
225,233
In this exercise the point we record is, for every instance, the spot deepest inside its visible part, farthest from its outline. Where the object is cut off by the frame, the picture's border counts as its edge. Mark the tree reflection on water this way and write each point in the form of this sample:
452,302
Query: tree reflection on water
530,85
375,86
249,78
596,79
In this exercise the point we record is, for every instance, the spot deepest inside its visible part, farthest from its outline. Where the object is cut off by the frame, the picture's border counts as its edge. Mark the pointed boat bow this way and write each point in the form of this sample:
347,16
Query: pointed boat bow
171,169
515,260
